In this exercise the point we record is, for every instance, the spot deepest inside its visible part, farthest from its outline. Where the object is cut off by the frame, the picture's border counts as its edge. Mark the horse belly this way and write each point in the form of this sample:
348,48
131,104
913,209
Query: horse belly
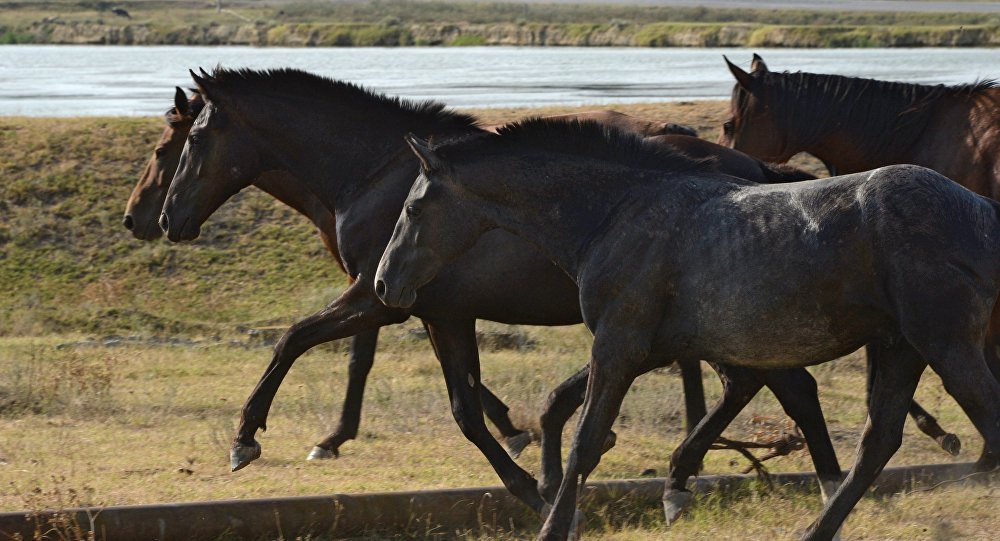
799,304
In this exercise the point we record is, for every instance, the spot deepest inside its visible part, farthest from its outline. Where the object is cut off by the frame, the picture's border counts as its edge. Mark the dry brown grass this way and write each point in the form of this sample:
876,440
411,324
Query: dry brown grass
152,423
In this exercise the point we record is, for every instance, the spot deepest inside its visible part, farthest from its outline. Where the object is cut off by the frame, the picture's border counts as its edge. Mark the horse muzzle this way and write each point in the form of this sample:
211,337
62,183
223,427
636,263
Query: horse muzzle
395,296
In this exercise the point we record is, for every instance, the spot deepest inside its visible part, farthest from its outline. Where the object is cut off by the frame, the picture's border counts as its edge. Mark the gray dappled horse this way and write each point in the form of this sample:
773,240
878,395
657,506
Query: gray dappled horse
674,260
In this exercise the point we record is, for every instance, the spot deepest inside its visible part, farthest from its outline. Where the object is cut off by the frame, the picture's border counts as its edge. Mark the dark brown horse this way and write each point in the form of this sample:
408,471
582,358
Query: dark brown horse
143,210
675,260
853,124
344,144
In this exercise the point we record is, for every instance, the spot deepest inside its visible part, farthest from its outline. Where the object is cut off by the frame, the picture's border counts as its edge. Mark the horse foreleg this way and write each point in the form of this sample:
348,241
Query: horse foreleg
796,390
356,311
455,345
739,386
898,371
609,380
360,364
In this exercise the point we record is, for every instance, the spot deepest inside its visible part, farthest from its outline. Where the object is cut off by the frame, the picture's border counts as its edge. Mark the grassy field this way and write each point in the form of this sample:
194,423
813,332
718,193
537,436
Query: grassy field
401,22
150,419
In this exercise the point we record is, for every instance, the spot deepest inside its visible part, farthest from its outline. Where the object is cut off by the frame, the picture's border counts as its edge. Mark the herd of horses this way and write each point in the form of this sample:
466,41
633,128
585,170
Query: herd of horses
668,247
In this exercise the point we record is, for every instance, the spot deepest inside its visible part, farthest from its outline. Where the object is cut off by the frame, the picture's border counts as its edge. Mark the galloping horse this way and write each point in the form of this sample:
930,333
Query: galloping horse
853,124
344,144
143,210
675,260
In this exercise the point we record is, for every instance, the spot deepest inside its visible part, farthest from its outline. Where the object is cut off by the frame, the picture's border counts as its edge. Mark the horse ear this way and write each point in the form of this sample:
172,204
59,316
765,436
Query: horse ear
180,101
758,65
203,83
429,161
743,78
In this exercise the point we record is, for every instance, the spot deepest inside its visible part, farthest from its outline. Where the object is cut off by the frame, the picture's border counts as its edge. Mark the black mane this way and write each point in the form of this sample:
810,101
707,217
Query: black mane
287,81
588,139
892,112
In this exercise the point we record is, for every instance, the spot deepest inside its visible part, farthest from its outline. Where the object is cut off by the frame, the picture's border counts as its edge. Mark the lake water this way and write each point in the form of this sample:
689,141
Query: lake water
52,80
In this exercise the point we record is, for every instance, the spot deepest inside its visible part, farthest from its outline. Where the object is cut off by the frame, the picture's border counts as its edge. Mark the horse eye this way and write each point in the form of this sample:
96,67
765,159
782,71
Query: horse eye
160,151
194,139
413,211
727,127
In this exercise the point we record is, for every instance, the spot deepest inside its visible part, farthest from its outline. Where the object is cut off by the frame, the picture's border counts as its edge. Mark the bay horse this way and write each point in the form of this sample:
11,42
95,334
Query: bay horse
853,124
344,144
142,212
675,260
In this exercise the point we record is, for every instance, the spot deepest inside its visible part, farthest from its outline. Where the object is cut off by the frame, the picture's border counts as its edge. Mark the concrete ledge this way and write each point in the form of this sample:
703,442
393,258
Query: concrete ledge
416,512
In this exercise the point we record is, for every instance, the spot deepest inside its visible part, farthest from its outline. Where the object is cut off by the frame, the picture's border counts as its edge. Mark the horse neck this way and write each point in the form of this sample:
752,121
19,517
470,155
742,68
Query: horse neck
282,186
846,140
335,153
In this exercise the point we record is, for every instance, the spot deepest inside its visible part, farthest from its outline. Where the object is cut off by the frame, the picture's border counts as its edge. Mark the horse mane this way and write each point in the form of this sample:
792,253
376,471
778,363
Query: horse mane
296,82
884,108
587,139
778,173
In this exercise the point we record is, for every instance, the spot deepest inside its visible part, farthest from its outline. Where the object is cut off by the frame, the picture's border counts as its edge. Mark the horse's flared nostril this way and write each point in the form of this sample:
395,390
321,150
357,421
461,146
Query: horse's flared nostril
128,222
380,289
164,222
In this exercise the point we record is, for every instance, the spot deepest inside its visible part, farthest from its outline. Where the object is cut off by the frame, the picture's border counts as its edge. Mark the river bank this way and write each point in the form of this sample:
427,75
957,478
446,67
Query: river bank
619,34
432,23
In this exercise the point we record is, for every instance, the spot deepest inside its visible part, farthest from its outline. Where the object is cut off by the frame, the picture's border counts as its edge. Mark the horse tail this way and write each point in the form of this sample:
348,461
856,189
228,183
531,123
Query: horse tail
775,173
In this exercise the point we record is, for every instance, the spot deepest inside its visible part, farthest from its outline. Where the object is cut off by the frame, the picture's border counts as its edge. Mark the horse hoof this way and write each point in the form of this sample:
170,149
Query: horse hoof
609,442
516,444
951,444
674,503
319,453
241,455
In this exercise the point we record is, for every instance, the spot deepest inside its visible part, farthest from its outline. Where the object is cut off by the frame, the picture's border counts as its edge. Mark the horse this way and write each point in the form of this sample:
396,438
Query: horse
344,144
142,213
675,260
853,124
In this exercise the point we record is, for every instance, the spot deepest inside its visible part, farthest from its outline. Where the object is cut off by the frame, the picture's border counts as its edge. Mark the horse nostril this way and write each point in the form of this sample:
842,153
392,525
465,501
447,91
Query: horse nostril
128,222
380,288
164,222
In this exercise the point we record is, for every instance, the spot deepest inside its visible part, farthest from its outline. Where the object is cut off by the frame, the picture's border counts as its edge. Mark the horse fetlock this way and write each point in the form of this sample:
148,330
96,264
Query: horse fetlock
516,444
319,453
243,454
675,502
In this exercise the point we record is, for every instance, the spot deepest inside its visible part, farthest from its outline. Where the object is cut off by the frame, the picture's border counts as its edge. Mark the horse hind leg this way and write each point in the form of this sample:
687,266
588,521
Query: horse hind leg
740,385
361,359
798,395
968,379
899,370
925,421
514,439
